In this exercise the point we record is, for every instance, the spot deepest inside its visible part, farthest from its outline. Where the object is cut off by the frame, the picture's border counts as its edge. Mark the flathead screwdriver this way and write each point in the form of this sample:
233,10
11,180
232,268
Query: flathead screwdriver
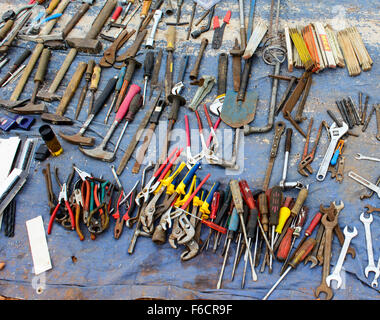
119,83
299,256
283,217
275,202
148,67
232,228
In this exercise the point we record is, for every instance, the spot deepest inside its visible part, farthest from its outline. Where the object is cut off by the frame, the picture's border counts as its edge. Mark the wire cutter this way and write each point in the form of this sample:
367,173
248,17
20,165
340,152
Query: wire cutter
62,196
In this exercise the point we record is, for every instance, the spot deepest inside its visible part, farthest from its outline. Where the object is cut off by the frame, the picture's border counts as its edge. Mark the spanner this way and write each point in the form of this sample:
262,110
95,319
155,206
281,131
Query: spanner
348,236
364,182
156,19
374,282
336,133
371,262
359,156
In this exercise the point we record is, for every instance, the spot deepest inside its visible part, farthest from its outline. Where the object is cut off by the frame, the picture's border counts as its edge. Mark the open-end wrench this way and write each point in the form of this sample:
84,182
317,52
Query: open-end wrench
313,256
359,156
336,133
342,256
371,262
364,182
374,282
371,209
329,227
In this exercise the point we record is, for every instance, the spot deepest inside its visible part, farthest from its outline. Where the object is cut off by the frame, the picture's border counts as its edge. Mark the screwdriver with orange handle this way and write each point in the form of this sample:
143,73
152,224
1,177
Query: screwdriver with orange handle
299,256
314,222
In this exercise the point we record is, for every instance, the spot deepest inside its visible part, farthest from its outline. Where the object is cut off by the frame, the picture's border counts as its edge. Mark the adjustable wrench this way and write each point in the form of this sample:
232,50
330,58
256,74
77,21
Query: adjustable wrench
371,262
364,182
336,133
338,267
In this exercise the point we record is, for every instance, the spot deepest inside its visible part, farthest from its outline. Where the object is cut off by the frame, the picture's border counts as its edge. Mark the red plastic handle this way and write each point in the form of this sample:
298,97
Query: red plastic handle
187,131
157,173
116,13
313,224
216,125
247,194
133,90
214,226
163,174
227,17
186,204
214,205
215,22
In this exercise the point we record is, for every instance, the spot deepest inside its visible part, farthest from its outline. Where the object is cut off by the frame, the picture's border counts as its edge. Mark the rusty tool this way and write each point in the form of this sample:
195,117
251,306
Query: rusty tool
371,209
195,34
32,107
82,97
195,71
170,42
194,7
79,137
156,71
100,151
57,117
236,54
217,104
313,255
307,159
329,227
119,84
143,14
299,256
87,44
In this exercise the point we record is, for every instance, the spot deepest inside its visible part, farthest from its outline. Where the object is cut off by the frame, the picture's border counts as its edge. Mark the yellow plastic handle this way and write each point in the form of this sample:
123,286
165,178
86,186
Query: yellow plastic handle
166,182
284,215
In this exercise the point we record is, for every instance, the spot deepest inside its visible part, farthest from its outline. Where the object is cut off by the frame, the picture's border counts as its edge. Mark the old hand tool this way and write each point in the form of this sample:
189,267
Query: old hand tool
95,78
170,41
154,119
62,197
177,88
156,70
243,31
359,156
87,44
336,133
364,182
313,255
288,144
195,34
82,97
114,17
279,130
119,83
58,117
371,209
335,275
143,14
329,227
148,67
217,104
236,53
371,267
195,71
79,137
193,8
275,201
156,20
100,152
24,55
32,107
238,201
299,256
314,222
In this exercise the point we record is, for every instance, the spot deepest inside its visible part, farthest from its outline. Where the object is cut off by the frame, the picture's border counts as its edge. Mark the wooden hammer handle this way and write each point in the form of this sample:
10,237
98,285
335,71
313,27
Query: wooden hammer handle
71,88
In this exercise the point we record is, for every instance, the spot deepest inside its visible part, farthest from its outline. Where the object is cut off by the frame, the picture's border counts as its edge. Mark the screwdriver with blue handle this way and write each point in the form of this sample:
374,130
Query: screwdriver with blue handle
232,228
214,208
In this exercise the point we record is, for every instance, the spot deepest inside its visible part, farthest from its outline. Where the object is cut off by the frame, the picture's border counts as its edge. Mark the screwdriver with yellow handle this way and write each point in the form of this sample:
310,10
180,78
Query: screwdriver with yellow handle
94,85
283,217
143,14
299,256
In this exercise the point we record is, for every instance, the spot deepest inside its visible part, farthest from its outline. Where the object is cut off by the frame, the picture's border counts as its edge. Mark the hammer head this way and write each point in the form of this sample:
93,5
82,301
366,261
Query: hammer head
85,45
30,108
56,119
99,153
12,104
47,96
78,139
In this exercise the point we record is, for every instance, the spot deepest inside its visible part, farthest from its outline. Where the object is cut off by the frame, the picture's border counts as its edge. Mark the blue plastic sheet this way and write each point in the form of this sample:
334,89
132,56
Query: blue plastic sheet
102,269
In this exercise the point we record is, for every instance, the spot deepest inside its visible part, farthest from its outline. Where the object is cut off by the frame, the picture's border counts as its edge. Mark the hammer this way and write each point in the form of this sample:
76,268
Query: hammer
88,44
57,117
100,151
78,138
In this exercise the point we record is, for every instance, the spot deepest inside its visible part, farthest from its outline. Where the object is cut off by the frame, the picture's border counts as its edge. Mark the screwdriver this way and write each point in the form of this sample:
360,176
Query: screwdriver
130,2
275,202
222,214
143,14
295,235
82,97
148,67
232,228
283,217
240,231
238,202
213,213
94,85
119,84
299,256
314,222
170,39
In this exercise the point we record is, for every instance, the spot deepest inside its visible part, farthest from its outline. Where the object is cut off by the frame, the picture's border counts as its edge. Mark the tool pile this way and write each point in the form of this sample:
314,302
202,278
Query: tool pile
177,200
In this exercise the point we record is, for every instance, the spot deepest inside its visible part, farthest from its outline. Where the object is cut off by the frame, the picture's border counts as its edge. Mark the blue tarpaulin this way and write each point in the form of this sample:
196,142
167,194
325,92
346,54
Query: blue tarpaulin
102,268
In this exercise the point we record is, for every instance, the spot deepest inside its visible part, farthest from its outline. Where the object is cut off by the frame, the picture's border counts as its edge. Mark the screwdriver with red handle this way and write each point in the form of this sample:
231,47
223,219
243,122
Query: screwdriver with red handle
299,256
214,209
308,232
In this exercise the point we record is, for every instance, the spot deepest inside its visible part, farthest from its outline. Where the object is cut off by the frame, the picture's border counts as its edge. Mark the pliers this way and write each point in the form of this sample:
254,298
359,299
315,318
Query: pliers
62,196
85,191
